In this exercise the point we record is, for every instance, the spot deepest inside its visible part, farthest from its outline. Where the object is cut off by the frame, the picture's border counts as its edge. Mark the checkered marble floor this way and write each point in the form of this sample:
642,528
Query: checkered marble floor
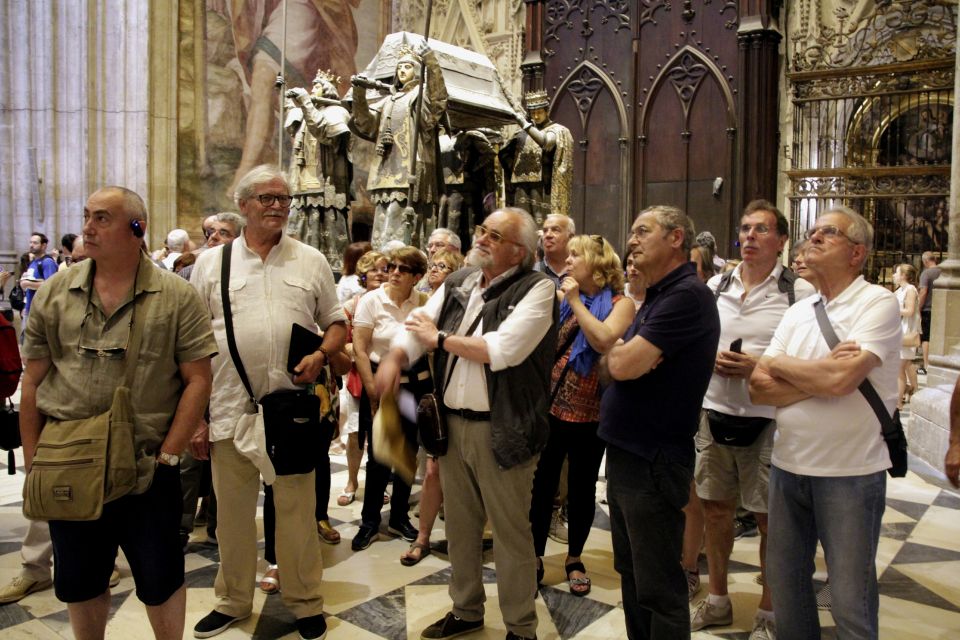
370,595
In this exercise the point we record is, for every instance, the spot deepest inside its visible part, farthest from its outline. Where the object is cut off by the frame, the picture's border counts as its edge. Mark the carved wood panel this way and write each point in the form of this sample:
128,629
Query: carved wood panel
587,47
686,111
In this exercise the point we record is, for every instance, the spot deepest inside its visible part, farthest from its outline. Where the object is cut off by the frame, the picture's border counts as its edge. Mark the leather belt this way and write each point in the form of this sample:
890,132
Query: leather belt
468,414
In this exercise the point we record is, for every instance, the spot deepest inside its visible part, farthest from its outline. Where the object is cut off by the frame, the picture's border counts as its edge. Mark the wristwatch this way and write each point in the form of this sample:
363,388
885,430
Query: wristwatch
441,336
169,459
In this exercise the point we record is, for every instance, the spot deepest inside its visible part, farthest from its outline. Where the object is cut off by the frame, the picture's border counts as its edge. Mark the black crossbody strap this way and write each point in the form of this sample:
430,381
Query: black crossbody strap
866,388
453,363
228,319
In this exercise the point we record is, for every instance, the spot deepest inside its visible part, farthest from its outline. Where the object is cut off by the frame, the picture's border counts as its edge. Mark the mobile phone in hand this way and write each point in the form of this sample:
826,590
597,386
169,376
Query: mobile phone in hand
737,345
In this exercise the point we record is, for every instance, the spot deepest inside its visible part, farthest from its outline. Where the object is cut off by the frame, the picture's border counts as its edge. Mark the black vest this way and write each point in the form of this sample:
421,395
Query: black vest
519,396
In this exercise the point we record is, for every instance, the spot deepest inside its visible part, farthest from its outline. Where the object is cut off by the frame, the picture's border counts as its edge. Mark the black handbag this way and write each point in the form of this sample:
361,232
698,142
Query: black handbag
17,298
890,426
291,419
735,431
431,423
9,433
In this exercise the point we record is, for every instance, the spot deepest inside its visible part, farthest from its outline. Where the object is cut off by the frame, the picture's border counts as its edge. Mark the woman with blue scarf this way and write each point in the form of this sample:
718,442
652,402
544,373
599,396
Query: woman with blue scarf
594,314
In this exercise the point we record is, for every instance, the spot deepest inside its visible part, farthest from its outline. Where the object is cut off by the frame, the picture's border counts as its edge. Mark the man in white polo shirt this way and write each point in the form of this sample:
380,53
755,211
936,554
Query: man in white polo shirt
736,436
828,482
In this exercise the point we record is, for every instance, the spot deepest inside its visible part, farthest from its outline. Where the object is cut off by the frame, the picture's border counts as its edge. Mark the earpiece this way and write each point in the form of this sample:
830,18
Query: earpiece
137,228
737,244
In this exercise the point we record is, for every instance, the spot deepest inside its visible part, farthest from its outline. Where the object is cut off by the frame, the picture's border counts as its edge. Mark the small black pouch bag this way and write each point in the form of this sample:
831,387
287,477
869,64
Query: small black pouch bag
735,431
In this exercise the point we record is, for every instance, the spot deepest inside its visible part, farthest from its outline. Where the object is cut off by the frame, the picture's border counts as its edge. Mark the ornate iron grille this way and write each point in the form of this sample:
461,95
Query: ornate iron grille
877,137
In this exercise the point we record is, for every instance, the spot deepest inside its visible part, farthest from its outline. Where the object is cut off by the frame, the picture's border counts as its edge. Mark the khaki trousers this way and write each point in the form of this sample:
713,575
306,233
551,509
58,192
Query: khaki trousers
236,482
475,488
37,552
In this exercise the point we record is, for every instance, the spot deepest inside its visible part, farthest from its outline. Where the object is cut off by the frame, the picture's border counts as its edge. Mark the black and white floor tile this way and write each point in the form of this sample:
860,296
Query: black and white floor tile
371,595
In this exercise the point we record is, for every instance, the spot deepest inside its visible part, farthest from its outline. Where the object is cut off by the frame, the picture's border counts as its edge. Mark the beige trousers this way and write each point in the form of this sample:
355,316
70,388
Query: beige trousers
237,484
475,488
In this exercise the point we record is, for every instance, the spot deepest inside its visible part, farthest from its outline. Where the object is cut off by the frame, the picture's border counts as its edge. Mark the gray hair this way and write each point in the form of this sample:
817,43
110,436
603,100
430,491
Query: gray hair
571,226
177,239
229,217
257,176
670,218
860,230
526,233
452,238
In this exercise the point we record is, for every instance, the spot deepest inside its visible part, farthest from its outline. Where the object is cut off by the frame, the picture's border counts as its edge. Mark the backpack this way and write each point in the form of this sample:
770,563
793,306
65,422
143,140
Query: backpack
785,283
10,363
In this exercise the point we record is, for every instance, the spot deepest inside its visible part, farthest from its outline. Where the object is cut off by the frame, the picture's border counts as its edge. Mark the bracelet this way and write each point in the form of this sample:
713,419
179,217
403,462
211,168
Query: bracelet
326,356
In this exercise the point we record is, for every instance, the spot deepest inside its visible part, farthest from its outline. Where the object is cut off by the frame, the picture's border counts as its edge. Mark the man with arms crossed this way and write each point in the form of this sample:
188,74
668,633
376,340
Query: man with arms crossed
828,479
649,416
751,300
80,318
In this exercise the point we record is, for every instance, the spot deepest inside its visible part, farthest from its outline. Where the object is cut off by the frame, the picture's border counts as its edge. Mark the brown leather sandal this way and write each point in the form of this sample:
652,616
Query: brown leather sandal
414,554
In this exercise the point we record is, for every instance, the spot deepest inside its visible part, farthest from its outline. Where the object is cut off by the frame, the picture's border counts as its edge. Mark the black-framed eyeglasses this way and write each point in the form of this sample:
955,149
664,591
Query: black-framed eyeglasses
402,268
827,231
495,236
267,199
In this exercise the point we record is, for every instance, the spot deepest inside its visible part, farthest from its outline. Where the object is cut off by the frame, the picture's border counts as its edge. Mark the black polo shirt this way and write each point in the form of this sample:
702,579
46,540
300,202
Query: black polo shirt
660,412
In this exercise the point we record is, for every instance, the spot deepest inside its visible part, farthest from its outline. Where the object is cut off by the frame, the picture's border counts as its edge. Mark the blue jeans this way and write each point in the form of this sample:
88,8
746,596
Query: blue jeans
646,522
844,514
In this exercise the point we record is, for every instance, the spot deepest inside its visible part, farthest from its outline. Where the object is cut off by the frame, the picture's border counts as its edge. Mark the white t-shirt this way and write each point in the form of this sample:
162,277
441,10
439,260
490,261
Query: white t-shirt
753,319
839,436
377,311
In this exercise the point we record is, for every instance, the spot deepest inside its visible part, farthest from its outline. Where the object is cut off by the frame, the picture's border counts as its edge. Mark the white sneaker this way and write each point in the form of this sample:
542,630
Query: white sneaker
20,587
763,629
709,615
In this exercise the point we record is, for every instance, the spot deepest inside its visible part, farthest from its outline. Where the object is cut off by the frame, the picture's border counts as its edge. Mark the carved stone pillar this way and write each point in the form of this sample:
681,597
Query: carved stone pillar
758,40
929,430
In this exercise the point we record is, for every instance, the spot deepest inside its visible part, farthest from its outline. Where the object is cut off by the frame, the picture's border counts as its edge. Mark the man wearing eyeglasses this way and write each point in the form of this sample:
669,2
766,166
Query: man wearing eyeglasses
492,329
827,480
76,345
221,228
736,437
275,281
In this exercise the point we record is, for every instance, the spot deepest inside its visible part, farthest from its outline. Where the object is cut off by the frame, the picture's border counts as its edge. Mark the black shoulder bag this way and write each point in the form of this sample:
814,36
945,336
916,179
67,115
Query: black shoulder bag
431,423
291,419
890,426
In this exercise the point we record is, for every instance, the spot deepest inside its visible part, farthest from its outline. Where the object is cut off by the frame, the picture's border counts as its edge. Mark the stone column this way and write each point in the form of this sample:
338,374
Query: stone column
929,429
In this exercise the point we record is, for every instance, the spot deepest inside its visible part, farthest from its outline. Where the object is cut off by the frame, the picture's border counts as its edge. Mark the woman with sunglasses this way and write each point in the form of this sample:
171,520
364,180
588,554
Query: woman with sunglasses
371,271
380,315
593,316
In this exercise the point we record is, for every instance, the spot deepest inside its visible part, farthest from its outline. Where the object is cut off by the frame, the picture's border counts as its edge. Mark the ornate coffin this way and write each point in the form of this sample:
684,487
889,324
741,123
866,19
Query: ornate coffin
476,95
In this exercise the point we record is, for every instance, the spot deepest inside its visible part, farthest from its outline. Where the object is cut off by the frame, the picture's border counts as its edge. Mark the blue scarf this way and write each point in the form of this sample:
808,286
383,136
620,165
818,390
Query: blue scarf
583,357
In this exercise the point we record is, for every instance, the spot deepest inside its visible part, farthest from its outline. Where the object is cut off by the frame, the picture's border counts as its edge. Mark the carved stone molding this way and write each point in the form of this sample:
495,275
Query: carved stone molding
892,32
914,185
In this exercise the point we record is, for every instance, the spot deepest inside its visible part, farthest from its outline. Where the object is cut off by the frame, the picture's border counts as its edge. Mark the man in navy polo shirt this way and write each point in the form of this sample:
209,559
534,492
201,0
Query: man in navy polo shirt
649,415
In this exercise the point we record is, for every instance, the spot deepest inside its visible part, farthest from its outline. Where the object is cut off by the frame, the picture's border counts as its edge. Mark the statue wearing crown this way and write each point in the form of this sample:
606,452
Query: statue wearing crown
320,169
402,181
538,162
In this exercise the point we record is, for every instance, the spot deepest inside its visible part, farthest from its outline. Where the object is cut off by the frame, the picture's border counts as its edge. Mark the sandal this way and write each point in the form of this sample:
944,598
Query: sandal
270,582
577,582
327,533
415,554
346,498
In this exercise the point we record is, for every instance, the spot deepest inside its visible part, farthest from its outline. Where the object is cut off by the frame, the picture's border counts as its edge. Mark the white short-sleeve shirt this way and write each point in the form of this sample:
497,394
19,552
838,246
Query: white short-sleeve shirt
839,436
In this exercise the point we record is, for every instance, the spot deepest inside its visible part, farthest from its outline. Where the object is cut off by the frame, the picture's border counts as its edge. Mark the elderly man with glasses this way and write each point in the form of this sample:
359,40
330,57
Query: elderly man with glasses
828,480
78,345
274,282
492,328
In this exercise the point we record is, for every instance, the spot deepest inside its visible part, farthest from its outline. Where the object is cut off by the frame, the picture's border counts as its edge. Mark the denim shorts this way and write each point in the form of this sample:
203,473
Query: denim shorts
145,526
